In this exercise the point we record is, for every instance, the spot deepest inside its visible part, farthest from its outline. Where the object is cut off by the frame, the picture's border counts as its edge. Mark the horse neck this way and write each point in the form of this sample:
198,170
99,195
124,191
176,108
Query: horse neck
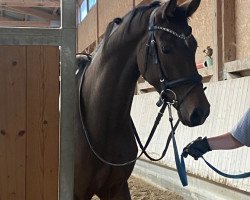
116,83
111,80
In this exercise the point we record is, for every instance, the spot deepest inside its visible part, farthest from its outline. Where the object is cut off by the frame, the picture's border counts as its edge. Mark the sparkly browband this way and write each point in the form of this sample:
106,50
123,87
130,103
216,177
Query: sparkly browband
182,36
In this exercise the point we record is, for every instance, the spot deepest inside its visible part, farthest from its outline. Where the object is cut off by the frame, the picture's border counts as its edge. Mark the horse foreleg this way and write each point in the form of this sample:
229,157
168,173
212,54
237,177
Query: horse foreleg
117,193
123,193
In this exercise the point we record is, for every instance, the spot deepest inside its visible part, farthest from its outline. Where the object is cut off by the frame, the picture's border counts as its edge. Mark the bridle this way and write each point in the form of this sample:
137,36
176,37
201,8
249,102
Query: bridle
165,85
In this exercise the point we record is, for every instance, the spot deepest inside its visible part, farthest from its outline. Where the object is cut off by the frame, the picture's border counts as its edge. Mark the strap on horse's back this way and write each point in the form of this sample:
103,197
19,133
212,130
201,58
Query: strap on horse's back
82,62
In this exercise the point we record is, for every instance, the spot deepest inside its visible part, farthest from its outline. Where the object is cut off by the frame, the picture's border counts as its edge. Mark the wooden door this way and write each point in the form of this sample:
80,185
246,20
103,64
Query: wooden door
29,122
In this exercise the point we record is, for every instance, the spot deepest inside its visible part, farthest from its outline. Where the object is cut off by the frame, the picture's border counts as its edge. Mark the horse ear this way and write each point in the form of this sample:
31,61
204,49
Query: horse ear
191,6
169,8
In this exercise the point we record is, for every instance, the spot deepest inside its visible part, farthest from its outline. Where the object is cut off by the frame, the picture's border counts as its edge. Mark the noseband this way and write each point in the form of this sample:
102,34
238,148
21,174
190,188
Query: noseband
167,86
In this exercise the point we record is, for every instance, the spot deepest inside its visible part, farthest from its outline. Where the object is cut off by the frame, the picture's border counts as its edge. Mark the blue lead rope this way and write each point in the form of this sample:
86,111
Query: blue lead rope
181,168
234,176
180,164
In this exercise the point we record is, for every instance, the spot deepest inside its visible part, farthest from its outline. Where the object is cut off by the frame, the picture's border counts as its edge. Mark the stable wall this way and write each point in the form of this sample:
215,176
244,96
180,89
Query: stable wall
109,9
87,30
229,100
201,21
203,28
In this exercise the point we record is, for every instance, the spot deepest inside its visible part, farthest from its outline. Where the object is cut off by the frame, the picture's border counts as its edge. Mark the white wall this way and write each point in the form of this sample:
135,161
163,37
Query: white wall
229,100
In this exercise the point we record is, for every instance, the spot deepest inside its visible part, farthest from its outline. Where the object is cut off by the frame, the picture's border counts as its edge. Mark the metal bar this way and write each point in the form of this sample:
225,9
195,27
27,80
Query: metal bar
68,96
68,10
30,36
26,40
68,100
30,31
12,23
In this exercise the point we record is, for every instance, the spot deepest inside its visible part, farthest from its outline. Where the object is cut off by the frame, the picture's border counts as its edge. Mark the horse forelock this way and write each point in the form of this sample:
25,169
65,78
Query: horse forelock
180,14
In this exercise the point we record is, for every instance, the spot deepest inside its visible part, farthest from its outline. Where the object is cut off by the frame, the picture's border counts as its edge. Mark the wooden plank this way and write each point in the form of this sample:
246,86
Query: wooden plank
45,3
229,37
217,35
206,72
33,12
237,65
12,122
144,86
237,68
43,123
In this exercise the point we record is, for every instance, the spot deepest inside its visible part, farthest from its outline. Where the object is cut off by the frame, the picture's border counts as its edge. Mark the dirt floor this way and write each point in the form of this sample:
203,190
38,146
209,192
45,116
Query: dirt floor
141,190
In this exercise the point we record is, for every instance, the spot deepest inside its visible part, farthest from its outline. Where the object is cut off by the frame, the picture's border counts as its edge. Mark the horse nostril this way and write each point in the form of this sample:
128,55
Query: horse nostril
197,117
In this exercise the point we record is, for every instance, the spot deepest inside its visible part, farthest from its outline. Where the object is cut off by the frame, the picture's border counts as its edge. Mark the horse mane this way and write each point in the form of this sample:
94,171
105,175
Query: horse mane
110,27
141,9
133,13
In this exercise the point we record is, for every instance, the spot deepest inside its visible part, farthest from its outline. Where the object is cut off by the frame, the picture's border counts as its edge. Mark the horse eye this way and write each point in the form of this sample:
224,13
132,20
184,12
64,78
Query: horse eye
166,49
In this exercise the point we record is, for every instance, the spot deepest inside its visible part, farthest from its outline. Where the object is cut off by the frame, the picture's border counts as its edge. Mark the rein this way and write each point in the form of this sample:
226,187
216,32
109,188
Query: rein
143,148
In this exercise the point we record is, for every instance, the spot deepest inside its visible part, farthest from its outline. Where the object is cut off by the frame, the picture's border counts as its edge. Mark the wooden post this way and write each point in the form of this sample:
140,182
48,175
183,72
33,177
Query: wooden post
97,22
217,35
229,40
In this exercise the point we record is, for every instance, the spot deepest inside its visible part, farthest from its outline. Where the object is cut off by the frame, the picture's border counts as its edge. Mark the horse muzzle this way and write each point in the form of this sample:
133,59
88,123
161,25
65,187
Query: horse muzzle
196,117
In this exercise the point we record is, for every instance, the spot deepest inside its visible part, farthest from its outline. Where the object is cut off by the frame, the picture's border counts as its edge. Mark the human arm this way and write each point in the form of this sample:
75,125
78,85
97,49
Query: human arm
200,146
237,137
224,142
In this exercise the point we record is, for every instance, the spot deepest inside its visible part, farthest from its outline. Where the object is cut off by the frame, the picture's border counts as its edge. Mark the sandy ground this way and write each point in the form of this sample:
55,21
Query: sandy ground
141,190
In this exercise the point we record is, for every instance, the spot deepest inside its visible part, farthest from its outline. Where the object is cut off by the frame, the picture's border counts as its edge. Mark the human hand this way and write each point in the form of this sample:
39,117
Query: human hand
197,148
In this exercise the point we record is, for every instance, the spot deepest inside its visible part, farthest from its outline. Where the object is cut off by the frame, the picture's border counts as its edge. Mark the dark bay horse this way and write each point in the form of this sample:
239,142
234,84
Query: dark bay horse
154,41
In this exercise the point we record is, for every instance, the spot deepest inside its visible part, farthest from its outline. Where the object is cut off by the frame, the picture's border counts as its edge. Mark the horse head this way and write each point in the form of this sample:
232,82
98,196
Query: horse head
166,59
